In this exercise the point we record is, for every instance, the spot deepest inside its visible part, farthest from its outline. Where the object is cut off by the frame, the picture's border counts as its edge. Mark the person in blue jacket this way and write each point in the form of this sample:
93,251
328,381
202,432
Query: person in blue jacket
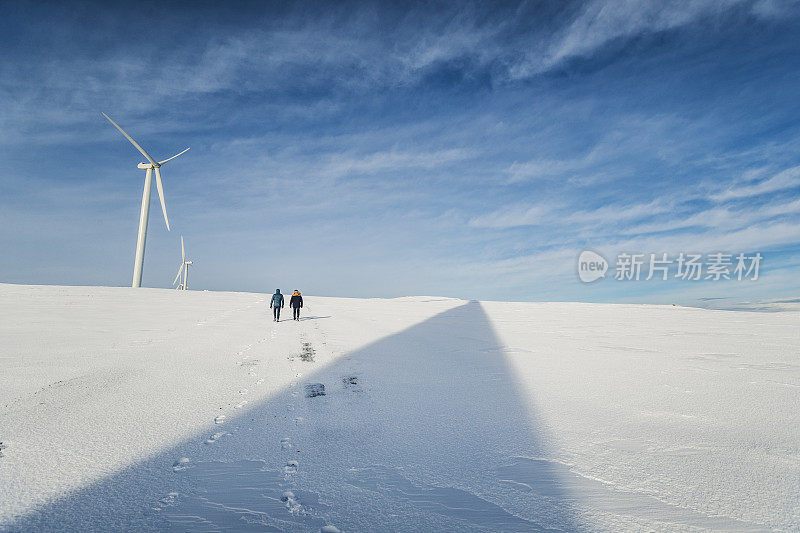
276,303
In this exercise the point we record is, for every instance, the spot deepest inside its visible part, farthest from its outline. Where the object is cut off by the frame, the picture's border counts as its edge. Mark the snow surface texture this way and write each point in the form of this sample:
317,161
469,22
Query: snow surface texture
168,410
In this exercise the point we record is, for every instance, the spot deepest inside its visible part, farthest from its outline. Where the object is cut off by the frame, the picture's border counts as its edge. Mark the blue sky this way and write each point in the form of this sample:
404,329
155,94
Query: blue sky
356,149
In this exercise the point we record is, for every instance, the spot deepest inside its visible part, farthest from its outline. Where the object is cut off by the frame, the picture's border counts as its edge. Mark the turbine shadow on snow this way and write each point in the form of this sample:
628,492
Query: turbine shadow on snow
415,431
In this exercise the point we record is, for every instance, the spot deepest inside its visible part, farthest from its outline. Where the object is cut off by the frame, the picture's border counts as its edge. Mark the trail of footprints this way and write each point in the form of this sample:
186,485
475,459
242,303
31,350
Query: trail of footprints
290,448
245,362
311,390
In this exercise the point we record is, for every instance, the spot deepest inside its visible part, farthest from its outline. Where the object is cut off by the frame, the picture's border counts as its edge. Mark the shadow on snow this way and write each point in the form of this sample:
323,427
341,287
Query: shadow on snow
416,431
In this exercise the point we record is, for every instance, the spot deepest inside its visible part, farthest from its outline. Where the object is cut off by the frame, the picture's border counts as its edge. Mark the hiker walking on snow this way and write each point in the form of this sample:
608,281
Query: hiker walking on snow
276,303
296,302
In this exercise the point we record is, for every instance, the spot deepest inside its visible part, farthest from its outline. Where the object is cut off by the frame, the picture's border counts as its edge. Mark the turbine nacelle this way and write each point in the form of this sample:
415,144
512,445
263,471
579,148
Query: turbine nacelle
157,164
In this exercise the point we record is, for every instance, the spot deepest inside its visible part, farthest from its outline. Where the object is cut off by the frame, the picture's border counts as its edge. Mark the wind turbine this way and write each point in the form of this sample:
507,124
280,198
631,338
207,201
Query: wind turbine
149,167
184,269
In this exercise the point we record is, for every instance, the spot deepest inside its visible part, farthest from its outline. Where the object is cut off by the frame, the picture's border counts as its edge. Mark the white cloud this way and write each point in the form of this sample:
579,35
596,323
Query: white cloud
756,237
547,214
720,218
602,21
786,179
537,215
541,168
343,164
611,215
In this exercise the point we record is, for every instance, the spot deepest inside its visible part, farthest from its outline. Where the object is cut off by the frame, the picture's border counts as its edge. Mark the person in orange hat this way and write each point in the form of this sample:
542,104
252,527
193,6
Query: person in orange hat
296,303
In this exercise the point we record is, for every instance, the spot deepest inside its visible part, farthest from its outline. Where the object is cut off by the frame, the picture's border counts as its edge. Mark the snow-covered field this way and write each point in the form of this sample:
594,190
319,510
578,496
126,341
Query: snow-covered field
156,409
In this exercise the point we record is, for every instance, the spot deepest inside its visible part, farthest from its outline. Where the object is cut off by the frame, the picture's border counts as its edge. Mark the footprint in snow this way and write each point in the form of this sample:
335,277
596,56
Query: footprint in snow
286,443
181,464
291,502
220,419
352,383
291,467
298,421
330,529
307,354
167,501
216,436
315,389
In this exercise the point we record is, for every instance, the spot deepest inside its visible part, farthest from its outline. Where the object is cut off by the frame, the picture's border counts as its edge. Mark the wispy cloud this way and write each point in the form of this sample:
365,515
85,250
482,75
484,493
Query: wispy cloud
509,217
543,168
602,21
341,164
785,179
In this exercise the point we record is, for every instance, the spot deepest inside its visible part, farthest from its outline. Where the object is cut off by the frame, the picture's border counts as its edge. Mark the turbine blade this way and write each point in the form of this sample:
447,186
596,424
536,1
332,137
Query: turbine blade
183,252
173,157
179,274
161,196
134,143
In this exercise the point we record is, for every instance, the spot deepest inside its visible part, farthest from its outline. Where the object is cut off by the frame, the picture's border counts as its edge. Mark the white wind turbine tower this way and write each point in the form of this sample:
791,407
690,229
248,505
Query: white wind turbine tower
149,167
184,269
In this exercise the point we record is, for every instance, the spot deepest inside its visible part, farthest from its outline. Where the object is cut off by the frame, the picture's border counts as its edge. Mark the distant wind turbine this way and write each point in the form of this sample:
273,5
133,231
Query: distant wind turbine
184,269
149,167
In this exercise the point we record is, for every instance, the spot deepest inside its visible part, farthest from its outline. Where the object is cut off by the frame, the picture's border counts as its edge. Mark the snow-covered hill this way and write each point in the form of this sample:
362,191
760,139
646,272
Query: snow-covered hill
156,409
